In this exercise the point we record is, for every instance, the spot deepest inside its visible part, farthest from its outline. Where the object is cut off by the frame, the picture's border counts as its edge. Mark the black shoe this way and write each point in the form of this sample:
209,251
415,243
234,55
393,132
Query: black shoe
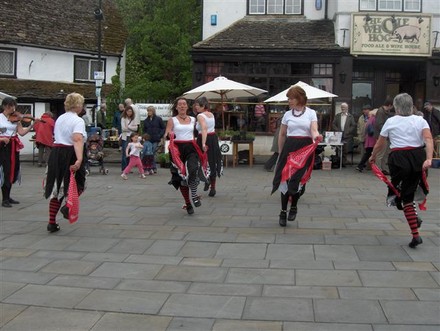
206,187
386,173
283,217
292,213
6,204
359,169
415,242
197,202
212,193
65,211
419,222
14,202
189,209
53,227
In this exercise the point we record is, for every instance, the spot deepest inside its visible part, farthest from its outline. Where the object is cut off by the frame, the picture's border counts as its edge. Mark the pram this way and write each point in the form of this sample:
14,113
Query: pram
95,153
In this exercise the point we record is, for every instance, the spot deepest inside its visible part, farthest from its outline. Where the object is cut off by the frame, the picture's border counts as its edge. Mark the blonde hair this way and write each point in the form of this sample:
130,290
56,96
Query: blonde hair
73,100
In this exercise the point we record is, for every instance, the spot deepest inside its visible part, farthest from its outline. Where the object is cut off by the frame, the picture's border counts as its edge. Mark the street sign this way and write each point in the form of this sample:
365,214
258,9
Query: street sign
99,75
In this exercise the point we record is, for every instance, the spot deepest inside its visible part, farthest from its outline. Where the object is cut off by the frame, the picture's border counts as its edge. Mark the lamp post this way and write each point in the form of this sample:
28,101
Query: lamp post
98,75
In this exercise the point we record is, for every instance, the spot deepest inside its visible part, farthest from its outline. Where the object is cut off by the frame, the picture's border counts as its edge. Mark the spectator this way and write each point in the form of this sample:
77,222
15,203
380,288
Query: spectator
44,137
344,122
154,126
383,113
432,116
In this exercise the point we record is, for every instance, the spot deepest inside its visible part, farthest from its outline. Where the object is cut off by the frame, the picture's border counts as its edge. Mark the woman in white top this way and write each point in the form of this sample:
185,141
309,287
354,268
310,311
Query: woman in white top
128,126
10,146
185,154
299,128
411,153
67,154
207,140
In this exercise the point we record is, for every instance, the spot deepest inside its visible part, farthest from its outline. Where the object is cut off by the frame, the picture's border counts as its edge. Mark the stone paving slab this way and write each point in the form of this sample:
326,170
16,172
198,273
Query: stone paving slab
136,260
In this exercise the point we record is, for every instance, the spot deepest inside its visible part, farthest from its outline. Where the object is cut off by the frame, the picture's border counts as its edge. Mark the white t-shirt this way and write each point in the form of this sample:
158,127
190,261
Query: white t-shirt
404,131
184,132
66,125
9,127
299,126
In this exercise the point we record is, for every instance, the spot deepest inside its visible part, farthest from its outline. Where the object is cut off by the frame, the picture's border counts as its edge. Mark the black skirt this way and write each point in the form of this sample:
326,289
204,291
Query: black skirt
5,162
190,158
58,172
214,154
291,145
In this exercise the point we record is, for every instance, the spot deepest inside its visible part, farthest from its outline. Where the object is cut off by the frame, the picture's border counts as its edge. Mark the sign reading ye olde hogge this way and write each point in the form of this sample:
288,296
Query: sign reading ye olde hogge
392,34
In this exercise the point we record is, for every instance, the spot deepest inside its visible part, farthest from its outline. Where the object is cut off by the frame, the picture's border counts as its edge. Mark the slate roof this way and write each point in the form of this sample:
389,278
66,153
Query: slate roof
273,33
43,90
62,24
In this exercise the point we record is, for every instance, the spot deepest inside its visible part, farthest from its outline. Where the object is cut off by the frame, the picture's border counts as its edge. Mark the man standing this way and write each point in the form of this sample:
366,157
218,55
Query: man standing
383,113
432,116
345,123
101,118
361,124
116,124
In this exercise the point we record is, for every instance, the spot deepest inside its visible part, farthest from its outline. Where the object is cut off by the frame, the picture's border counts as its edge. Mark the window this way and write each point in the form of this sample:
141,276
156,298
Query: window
7,62
322,69
275,7
391,5
85,68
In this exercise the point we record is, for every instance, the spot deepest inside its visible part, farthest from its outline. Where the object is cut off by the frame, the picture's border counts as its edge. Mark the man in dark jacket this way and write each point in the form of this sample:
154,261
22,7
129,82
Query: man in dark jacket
154,126
432,116
344,122
384,112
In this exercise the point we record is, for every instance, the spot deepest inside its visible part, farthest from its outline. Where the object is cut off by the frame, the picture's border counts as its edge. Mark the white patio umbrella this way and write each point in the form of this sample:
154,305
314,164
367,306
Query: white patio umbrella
4,95
311,92
223,89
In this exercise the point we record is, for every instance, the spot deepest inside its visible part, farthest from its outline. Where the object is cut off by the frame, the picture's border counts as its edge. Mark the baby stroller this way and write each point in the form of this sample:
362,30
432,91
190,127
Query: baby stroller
95,153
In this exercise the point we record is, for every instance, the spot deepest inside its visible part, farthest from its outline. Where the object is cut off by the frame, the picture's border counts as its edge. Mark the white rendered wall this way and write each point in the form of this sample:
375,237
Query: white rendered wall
227,11
50,65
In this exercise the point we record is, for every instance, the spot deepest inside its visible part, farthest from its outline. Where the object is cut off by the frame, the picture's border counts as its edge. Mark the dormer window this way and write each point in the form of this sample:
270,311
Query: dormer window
278,7
391,5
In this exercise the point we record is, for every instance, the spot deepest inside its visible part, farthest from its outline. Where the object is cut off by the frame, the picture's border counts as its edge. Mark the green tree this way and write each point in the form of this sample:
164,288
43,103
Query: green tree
161,33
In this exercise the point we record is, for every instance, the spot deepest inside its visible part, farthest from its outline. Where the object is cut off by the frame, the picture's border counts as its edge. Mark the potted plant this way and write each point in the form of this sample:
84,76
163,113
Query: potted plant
243,136
226,134
164,160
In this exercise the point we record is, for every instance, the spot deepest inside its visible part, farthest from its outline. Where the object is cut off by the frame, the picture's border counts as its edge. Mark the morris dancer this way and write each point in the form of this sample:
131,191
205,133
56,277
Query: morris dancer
300,125
208,143
67,154
185,154
411,153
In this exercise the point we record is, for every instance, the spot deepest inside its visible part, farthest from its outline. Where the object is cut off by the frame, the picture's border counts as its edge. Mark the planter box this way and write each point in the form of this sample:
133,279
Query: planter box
326,165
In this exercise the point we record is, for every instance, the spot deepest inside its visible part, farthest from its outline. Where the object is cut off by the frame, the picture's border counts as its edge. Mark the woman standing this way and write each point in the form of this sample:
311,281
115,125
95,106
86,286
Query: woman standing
299,128
67,155
207,140
128,126
10,146
185,154
411,153
154,126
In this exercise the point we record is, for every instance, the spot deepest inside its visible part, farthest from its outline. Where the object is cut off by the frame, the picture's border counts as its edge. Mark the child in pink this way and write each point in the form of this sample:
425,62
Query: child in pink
133,152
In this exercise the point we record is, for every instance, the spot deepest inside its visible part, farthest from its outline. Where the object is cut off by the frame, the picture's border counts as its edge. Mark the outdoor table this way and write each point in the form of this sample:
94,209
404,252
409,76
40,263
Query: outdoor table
338,146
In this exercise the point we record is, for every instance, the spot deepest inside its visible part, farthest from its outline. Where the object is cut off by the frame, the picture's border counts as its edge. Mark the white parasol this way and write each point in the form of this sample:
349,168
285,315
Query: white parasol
223,89
311,92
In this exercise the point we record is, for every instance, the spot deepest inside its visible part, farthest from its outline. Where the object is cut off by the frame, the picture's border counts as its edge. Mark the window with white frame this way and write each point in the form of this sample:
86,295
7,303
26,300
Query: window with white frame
85,68
275,7
391,5
7,62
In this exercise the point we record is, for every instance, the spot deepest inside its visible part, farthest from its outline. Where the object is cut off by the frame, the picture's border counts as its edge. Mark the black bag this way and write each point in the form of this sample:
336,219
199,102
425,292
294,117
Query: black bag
370,130
336,161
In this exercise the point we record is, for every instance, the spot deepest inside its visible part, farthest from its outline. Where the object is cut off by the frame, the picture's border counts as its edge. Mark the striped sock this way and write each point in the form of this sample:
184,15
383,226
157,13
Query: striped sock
411,217
193,188
54,207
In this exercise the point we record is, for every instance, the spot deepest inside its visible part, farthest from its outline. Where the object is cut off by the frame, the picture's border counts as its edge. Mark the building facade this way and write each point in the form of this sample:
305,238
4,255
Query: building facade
51,48
360,50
